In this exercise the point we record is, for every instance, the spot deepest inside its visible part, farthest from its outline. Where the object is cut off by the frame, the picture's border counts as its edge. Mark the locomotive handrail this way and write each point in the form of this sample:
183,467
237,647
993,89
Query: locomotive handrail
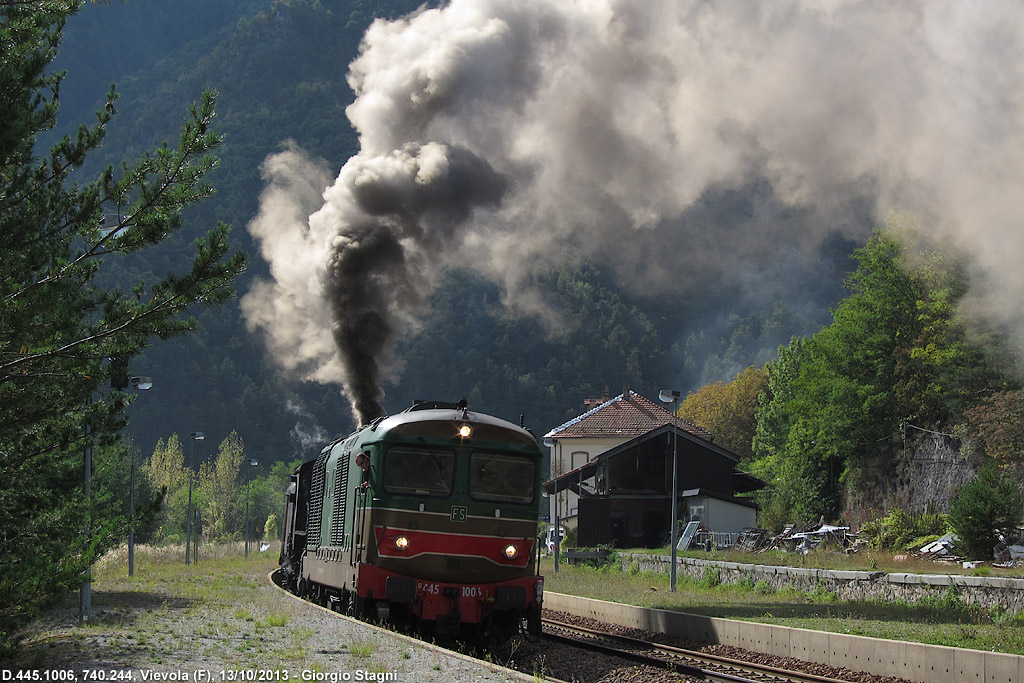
358,513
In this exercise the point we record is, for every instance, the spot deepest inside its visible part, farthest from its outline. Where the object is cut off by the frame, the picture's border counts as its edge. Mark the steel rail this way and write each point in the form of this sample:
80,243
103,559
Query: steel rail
700,665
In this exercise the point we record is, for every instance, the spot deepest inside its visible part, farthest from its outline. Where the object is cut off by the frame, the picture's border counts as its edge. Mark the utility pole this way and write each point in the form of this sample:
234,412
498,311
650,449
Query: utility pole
672,396
192,438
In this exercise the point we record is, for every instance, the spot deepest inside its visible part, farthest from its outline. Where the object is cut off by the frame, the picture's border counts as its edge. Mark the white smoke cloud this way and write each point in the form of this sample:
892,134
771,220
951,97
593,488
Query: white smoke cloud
307,434
510,137
291,308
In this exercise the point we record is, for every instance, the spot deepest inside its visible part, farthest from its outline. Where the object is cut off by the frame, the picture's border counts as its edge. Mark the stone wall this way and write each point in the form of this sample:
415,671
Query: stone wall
984,591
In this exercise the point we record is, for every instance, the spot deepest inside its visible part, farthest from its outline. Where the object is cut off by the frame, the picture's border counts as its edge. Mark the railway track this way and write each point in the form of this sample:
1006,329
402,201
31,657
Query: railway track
697,665
674,661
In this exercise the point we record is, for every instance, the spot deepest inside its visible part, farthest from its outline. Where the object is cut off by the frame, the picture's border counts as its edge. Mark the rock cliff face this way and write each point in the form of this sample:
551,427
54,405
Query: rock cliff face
924,477
930,475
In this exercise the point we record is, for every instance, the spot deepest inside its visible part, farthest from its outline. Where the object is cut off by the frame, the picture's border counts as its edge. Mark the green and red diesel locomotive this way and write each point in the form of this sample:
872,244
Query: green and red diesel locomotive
427,517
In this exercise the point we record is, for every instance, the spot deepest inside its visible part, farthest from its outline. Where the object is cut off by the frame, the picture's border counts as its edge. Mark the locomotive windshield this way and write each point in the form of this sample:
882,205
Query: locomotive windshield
419,471
501,477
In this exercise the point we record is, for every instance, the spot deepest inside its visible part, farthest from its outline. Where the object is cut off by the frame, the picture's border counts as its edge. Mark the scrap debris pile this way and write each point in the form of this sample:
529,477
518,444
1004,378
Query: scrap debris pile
828,537
799,539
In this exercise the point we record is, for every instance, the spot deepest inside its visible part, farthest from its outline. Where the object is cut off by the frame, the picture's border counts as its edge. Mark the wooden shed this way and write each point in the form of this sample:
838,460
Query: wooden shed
620,495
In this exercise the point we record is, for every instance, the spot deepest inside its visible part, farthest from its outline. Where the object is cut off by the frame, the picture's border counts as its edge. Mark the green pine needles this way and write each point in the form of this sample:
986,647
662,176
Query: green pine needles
59,326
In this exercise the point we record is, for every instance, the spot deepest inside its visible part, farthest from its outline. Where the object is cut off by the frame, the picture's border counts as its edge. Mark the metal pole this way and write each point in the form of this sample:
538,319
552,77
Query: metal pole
251,463
558,519
672,396
85,596
188,510
192,438
675,486
131,507
139,384
131,494
246,530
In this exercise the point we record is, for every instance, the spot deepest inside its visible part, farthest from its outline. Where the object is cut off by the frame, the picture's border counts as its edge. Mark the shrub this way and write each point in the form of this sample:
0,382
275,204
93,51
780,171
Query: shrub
820,595
710,578
900,529
986,505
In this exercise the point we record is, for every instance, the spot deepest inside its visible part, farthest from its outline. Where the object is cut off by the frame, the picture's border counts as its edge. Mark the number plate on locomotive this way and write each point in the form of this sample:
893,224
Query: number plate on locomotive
463,591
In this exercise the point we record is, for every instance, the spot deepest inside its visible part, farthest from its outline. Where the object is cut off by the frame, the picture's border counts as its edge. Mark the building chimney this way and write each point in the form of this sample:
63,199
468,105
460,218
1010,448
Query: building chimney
591,403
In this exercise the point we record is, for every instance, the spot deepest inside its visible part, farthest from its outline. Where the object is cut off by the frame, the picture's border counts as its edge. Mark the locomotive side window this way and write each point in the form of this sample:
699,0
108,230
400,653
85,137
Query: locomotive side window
419,471
501,477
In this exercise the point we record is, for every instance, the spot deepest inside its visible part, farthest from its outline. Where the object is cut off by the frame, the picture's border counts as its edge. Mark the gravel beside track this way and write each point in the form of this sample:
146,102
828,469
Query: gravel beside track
150,633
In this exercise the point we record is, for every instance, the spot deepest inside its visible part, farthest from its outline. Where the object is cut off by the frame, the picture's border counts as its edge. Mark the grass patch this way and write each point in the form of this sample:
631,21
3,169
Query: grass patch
272,620
942,619
361,650
218,610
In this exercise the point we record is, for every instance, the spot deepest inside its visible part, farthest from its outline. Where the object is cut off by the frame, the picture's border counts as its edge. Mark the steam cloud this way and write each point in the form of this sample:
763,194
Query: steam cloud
509,137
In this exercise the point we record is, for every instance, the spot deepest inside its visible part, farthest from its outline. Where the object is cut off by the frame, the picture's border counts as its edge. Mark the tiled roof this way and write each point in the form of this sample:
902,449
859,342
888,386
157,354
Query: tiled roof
625,416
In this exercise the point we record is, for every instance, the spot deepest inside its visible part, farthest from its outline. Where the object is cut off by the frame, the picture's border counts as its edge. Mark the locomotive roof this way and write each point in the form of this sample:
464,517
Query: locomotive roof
494,429
423,421
447,414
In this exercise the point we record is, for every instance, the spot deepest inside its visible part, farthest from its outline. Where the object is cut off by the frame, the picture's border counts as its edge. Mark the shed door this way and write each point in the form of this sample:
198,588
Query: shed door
595,521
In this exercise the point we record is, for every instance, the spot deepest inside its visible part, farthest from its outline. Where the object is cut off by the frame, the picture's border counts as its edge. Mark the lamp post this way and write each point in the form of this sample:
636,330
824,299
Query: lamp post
553,445
139,384
252,463
85,592
672,396
192,438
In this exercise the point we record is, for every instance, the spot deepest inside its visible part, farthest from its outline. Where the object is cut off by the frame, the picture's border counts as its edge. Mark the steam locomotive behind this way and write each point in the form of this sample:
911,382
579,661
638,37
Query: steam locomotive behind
427,517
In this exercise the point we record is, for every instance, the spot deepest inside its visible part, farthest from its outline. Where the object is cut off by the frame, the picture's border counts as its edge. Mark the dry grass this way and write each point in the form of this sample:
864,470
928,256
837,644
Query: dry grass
217,613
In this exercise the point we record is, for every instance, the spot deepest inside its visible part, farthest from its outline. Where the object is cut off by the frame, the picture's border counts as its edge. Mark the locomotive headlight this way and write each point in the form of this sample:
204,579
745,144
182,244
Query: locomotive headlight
465,431
401,542
511,551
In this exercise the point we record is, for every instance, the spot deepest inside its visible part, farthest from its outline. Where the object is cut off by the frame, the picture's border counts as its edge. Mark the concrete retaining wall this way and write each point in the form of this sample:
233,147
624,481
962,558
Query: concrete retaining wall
984,591
913,661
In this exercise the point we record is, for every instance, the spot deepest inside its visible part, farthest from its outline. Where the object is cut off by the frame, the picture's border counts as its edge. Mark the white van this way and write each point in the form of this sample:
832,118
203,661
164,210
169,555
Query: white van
549,539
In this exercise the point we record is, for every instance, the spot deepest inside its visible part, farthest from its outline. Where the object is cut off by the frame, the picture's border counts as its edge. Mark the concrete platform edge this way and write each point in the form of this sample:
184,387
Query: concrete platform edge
912,661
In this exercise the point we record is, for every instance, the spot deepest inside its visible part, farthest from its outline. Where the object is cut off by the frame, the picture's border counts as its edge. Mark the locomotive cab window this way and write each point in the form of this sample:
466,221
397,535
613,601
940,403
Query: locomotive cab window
501,477
416,471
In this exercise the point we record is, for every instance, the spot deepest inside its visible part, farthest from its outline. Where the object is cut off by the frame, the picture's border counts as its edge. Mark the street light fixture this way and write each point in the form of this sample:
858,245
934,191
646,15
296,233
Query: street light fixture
672,396
553,445
192,438
140,384
252,463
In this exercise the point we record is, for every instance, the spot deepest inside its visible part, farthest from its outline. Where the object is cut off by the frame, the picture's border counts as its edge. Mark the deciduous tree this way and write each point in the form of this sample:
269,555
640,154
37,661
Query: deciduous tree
219,483
728,410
